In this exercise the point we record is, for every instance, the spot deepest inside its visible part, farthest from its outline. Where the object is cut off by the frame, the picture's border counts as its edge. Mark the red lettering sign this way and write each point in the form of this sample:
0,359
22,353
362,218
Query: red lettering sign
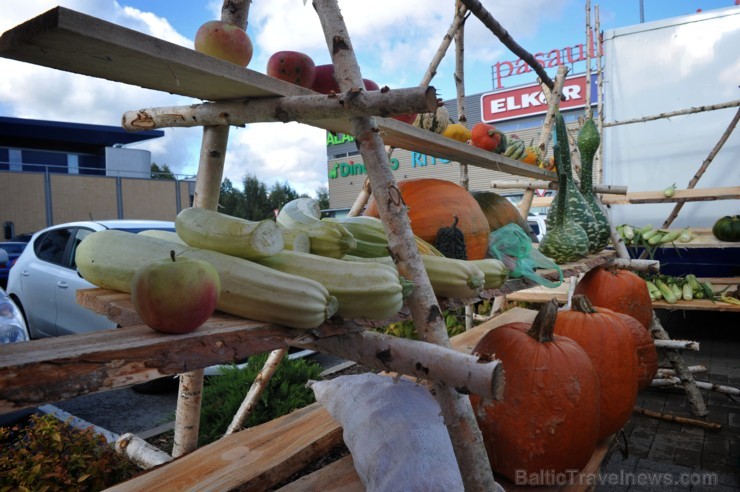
529,100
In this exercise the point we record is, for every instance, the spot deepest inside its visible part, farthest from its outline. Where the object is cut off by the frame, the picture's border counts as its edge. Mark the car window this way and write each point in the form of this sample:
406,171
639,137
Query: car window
80,234
51,246
535,227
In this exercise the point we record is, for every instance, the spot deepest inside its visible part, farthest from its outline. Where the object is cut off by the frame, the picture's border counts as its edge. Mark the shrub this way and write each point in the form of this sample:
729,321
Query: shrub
285,392
49,455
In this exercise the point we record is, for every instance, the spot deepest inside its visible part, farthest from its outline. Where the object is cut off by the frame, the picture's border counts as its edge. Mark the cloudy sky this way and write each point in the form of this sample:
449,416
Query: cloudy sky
394,40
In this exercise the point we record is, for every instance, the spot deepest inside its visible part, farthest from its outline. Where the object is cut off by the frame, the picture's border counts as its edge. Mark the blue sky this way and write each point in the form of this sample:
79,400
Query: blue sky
394,41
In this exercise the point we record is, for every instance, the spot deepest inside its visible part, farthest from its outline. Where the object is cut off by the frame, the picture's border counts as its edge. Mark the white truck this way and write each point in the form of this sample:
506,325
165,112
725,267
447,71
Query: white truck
665,66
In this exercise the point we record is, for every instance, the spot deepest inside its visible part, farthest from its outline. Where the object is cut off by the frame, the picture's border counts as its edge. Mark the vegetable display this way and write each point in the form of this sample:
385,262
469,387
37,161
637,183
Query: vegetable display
575,207
326,238
433,204
672,289
588,143
605,338
110,258
436,122
566,240
457,131
727,228
548,418
488,137
450,241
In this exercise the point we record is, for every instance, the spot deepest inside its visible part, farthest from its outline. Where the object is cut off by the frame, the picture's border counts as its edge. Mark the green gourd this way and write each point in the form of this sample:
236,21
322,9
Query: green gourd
565,239
577,207
588,142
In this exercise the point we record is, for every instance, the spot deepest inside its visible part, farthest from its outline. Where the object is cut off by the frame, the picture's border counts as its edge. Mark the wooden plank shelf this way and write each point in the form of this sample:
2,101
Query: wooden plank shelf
638,197
262,457
67,40
539,295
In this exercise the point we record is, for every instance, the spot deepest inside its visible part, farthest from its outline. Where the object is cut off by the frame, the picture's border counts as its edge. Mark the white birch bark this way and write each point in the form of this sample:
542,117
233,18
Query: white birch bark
140,452
457,411
284,109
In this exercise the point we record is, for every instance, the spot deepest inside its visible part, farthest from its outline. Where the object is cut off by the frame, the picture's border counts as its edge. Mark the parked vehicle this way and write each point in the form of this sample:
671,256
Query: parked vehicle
44,280
12,330
537,223
12,250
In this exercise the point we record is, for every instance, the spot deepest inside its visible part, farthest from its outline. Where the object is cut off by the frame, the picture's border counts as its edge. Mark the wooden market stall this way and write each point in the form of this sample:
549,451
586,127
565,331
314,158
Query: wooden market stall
47,370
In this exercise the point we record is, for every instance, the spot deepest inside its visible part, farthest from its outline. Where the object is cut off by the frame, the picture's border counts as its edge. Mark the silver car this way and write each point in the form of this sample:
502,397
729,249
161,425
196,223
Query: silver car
44,280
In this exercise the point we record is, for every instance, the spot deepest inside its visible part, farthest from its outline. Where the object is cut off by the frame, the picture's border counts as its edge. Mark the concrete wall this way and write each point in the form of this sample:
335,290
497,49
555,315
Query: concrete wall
33,201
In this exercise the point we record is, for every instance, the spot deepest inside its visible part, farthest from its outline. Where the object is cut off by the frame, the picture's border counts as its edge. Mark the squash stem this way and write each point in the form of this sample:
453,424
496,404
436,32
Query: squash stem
544,323
581,304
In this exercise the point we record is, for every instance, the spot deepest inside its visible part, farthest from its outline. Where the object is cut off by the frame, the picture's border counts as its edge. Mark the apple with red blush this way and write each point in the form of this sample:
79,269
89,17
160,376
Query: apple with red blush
175,294
292,66
224,41
324,81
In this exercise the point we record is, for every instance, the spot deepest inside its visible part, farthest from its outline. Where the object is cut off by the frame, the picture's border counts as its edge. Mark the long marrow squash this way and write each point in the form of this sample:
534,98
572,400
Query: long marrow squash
364,290
109,259
449,277
372,241
208,229
327,238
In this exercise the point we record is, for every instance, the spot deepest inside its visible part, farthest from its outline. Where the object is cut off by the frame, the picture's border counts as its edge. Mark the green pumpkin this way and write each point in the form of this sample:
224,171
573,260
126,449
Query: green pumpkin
727,228
588,143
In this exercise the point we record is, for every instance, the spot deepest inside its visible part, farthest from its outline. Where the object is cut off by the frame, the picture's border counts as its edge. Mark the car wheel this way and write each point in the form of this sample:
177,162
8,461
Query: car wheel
157,386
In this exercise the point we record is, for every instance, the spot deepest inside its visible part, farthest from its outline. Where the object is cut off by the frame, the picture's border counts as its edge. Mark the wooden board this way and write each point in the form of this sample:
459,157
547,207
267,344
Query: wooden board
67,40
252,459
637,197
539,294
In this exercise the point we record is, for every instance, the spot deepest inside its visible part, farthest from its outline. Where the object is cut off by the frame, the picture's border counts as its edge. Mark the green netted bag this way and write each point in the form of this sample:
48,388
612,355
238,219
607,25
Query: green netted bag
512,246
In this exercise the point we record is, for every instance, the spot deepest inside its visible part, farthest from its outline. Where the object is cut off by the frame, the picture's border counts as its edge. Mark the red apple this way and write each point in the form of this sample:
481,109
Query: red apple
292,66
224,41
325,83
175,295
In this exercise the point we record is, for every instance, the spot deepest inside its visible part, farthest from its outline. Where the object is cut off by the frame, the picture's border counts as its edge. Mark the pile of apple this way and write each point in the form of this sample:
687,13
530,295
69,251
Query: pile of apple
231,43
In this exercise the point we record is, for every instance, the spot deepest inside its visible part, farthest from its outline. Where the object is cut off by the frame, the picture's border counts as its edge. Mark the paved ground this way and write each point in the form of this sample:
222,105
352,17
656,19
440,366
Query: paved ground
663,455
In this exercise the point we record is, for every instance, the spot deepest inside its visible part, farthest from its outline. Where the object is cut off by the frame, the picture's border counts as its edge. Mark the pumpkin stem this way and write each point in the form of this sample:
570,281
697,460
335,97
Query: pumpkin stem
544,323
581,304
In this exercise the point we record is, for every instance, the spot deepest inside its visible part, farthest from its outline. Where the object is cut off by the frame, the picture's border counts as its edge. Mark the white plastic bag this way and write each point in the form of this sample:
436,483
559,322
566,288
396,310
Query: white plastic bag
394,431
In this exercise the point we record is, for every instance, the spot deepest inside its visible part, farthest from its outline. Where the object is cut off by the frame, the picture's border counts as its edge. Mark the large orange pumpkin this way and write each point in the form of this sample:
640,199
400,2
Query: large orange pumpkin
647,355
433,204
619,290
548,418
608,341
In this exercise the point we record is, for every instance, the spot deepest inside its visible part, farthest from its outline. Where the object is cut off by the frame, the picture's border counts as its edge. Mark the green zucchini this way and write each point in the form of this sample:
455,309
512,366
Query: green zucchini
327,238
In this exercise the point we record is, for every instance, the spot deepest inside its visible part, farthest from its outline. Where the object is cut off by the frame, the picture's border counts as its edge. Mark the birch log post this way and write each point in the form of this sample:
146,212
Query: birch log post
459,75
466,438
693,395
140,452
589,112
207,190
553,102
599,96
457,23
256,390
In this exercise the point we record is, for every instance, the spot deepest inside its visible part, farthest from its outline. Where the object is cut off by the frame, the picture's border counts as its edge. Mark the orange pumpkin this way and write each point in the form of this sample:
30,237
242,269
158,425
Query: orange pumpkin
488,137
647,355
434,203
608,341
548,418
619,290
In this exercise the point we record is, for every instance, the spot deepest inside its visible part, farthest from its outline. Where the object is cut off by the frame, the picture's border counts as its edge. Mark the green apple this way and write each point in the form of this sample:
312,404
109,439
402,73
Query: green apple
175,295
224,41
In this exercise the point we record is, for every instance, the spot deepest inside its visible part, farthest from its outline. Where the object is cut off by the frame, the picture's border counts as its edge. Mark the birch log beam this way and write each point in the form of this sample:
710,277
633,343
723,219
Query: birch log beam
553,185
465,436
464,372
355,102
697,109
207,190
140,452
677,345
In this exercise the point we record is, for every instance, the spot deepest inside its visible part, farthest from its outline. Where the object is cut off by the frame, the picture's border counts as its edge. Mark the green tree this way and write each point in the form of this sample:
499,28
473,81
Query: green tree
322,195
231,200
256,203
163,172
280,194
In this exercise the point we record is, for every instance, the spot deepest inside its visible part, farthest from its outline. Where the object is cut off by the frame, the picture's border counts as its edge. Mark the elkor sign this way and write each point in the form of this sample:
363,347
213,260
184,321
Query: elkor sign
530,100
